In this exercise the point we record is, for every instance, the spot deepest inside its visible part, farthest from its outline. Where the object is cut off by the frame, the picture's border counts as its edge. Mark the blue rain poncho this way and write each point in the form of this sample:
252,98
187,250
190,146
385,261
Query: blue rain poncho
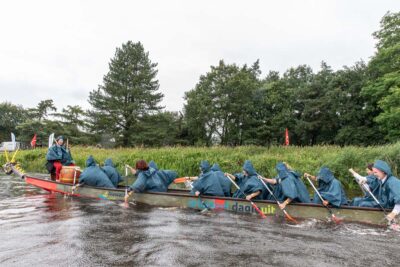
93,175
290,186
372,182
388,192
153,165
249,183
208,182
330,189
224,181
59,153
112,172
152,180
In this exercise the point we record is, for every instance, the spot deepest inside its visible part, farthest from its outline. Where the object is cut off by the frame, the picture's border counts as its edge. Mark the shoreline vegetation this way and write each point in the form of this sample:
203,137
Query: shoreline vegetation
185,160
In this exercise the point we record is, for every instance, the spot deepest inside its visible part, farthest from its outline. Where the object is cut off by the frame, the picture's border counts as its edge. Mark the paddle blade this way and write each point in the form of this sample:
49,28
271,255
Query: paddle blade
395,227
290,218
336,219
258,210
204,211
126,198
180,180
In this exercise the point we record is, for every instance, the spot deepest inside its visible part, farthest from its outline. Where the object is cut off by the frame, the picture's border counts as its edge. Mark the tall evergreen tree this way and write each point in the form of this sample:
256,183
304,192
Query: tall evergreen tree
128,94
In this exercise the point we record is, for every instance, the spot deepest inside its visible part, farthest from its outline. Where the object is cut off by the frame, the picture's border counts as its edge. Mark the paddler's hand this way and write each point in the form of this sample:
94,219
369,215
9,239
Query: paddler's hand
363,180
74,187
284,203
270,181
197,193
312,177
249,197
133,170
325,203
129,193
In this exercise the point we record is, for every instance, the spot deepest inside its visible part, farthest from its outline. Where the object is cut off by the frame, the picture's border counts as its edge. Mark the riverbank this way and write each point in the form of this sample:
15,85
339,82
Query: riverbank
185,160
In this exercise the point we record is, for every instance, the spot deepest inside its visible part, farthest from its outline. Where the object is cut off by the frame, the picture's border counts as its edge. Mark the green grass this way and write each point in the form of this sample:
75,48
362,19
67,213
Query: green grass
185,160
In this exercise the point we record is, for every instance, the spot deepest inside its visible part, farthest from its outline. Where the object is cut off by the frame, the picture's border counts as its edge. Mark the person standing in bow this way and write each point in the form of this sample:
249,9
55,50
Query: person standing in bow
58,156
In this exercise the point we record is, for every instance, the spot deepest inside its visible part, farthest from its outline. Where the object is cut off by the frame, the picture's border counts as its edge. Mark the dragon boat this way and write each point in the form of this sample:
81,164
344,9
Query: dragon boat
182,199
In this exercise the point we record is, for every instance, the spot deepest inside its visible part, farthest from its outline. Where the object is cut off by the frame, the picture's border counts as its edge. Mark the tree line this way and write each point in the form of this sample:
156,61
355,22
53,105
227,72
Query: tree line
231,104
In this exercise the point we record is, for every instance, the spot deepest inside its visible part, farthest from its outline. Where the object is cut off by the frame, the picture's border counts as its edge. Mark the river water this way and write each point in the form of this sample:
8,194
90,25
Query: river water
42,229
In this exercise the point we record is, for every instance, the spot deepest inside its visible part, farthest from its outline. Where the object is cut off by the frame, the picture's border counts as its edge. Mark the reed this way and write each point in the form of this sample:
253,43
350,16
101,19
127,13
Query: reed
185,160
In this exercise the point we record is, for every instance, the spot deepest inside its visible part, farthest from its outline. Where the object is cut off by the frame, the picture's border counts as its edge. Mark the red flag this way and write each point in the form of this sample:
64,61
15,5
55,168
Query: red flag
33,142
286,137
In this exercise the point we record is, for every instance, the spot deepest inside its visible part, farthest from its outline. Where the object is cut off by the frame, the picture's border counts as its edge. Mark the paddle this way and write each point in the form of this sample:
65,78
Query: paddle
251,202
74,187
51,139
126,198
334,218
290,218
202,202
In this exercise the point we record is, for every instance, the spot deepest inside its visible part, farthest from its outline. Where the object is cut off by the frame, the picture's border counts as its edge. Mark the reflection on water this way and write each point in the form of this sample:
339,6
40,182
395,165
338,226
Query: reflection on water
42,229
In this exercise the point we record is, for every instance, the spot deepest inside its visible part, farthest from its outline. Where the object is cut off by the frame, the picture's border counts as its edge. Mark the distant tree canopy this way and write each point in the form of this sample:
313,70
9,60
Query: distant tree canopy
231,104
383,79
318,108
39,121
10,117
219,109
356,105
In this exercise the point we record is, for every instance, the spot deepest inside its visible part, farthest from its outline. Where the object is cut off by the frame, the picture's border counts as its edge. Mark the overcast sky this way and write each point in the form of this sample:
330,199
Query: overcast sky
61,49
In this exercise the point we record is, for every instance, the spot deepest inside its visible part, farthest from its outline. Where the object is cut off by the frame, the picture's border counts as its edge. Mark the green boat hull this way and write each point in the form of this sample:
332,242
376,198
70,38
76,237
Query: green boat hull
182,199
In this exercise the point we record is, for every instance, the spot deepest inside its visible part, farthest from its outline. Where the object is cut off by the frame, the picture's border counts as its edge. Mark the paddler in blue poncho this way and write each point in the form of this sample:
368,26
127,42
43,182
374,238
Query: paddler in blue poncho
150,179
207,183
329,187
248,183
223,180
93,175
58,155
112,173
288,187
388,190
370,180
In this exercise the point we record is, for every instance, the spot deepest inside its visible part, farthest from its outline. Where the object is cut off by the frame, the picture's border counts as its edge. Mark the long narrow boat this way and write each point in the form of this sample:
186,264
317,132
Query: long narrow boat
182,198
